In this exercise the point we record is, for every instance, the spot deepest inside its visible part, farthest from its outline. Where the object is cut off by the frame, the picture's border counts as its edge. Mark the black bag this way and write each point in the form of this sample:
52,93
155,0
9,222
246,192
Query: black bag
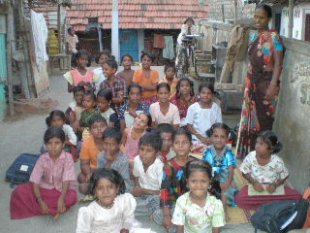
20,170
280,216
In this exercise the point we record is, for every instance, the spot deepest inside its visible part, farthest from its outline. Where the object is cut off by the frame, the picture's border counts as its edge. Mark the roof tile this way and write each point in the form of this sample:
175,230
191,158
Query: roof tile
145,14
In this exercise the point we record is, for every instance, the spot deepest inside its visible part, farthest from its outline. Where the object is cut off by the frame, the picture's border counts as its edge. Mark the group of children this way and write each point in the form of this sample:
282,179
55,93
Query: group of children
134,139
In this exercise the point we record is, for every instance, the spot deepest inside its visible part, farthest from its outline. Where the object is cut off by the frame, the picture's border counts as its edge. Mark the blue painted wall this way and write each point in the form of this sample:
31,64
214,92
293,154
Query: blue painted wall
3,61
129,43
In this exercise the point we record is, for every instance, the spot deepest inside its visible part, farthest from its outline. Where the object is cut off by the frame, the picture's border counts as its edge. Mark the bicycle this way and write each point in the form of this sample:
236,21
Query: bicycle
185,56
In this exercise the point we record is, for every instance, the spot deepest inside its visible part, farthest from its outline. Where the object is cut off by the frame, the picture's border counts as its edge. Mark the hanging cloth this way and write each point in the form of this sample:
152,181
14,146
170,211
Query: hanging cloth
168,51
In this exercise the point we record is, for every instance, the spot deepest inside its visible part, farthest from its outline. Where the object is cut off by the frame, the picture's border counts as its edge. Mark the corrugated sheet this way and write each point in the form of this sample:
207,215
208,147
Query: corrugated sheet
3,61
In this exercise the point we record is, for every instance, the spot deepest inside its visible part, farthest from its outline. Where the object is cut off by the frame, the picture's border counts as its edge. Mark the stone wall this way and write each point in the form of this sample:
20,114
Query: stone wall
293,113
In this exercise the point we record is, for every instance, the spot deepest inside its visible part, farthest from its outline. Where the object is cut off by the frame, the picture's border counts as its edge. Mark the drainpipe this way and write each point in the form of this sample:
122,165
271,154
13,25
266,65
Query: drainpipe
291,18
115,30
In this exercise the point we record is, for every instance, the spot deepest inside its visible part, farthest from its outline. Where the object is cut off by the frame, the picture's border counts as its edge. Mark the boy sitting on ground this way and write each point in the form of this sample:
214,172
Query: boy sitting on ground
148,172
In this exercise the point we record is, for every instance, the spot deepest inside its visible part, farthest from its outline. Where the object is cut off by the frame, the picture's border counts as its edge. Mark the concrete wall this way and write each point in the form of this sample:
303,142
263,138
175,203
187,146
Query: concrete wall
293,113
300,12
244,11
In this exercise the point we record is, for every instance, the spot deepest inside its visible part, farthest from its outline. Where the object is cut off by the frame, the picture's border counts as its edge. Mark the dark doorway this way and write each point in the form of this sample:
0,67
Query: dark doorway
307,28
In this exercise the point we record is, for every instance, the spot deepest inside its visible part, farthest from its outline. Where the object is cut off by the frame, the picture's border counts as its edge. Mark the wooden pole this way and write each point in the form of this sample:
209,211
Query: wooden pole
291,18
10,39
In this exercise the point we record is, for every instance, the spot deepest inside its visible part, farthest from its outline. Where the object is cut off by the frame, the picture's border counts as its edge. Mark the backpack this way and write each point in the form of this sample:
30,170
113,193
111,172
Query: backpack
20,170
280,216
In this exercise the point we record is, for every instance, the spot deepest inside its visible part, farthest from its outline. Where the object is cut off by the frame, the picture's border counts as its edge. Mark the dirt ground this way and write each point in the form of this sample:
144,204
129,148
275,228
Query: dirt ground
24,134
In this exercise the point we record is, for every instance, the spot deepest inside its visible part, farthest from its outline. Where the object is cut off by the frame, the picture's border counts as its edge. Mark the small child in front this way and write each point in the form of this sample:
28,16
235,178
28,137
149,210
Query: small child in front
174,182
222,161
113,210
112,156
147,172
200,209
266,173
48,192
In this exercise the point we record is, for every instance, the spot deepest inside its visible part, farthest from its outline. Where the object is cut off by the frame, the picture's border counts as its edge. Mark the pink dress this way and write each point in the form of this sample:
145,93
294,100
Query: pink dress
49,175
74,77
132,146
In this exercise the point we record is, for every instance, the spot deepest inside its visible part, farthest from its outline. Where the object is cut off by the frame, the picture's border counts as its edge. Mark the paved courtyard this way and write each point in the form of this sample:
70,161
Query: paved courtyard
25,135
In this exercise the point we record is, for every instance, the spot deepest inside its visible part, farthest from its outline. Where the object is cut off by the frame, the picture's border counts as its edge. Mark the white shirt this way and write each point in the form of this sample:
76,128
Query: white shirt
171,117
96,219
184,32
70,134
151,179
269,173
203,118
101,77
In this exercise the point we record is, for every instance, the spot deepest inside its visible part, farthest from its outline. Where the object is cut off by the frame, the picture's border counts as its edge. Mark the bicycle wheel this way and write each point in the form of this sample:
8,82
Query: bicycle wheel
182,63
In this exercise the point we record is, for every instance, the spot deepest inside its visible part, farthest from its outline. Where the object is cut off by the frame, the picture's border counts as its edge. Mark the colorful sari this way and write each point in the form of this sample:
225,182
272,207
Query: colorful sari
257,113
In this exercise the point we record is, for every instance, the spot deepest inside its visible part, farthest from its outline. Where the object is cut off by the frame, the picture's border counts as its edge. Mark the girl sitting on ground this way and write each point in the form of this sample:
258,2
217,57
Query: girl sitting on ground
163,111
132,107
200,209
147,78
203,114
57,119
91,148
104,101
266,173
112,210
73,112
48,192
222,160
113,157
81,76
89,104
184,97
127,73
131,136
174,182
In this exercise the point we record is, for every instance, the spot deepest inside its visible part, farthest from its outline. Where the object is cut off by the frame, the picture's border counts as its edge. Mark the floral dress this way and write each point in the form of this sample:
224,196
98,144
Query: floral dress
196,219
257,113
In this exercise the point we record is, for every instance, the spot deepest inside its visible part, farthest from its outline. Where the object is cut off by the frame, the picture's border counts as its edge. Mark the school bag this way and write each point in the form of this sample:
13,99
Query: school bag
280,216
20,170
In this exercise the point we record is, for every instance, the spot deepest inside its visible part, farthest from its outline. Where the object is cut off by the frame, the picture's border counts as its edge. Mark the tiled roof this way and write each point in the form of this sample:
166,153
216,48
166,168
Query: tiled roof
136,14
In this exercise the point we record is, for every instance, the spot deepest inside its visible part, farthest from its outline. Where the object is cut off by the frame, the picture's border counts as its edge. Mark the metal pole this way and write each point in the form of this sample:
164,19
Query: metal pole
291,18
115,30
10,39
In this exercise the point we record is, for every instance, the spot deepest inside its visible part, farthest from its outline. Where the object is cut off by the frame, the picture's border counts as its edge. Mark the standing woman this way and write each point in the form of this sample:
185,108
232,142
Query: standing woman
262,83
